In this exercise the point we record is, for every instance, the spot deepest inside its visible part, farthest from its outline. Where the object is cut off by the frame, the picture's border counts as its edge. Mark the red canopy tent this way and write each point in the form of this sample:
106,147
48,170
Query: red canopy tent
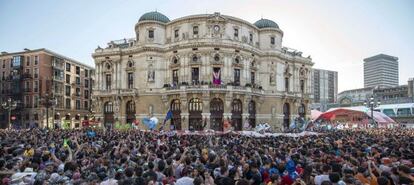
359,115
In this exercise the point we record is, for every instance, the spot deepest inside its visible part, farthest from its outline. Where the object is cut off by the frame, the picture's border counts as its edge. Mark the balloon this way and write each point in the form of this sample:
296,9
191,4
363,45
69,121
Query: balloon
151,123
155,120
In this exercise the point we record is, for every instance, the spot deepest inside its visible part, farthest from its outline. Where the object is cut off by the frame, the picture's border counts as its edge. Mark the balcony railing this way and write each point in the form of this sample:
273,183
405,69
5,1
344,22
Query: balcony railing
27,90
26,75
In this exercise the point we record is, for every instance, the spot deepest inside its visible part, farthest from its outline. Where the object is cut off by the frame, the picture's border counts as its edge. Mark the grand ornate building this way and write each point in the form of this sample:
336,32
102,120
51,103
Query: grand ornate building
205,69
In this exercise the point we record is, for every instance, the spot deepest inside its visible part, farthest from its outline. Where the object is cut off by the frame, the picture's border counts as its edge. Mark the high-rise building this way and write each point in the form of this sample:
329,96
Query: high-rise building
381,71
28,77
205,68
411,88
325,88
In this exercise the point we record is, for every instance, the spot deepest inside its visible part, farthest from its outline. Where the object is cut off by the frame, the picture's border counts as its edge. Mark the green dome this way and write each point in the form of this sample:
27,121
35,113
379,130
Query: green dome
154,16
266,23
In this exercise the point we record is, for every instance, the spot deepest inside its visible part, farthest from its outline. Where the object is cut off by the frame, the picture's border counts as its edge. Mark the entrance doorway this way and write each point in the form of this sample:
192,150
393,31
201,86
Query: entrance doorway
195,120
236,117
216,114
286,115
252,114
130,112
176,112
108,115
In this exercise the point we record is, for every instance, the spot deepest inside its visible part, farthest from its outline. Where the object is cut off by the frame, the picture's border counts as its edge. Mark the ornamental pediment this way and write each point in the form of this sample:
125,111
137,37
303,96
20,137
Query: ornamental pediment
216,17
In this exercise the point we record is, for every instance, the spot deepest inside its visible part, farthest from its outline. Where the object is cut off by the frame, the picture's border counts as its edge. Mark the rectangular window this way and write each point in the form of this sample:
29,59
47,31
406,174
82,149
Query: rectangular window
130,80
3,77
86,94
176,34
4,64
236,77
77,70
67,103
236,32
86,73
27,86
17,61
251,37
36,101
195,30
78,105
287,84
26,101
67,79
78,82
67,67
36,86
36,60
36,73
67,90
272,40
28,61
252,78
151,34
86,83
302,86
175,77
108,81
195,75
78,92
86,105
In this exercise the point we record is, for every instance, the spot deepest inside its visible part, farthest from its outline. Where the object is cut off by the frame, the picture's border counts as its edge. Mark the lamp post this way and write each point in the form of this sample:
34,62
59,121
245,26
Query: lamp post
371,104
48,100
9,105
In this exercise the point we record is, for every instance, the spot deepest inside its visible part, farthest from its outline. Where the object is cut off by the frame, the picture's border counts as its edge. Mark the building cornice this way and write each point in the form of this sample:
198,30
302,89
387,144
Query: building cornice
177,46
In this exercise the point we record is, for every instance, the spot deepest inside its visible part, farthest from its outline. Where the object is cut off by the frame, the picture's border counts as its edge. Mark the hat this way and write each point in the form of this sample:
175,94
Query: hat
386,160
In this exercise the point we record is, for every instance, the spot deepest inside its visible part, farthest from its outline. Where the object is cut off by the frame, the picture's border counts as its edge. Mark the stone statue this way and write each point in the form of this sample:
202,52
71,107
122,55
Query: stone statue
151,75
272,78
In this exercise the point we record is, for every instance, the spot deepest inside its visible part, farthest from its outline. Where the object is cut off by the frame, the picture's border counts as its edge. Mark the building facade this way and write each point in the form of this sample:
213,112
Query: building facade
394,95
410,87
205,69
325,88
28,77
381,71
354,97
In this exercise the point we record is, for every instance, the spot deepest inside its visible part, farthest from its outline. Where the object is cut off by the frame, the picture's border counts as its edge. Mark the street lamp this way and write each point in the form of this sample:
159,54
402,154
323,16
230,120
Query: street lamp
371,104
48,100
9,105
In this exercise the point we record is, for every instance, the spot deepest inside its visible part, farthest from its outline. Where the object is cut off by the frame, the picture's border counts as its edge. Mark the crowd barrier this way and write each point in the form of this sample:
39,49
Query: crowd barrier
243,133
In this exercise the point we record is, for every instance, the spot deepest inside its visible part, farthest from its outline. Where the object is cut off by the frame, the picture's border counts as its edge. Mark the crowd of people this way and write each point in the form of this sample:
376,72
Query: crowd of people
85,156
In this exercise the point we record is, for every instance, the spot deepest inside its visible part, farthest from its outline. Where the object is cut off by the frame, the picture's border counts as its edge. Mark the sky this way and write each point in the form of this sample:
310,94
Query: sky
338,34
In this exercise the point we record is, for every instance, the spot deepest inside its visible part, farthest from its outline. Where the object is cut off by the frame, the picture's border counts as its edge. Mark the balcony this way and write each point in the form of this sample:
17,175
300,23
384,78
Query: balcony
27,76
58,78
211,87
58,65
27,90
76,94
76,84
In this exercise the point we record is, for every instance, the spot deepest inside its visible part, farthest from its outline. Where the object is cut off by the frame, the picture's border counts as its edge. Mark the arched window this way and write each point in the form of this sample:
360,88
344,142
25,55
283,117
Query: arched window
176,114
108,66
302,110
195,104
175,60
108,107
130,107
